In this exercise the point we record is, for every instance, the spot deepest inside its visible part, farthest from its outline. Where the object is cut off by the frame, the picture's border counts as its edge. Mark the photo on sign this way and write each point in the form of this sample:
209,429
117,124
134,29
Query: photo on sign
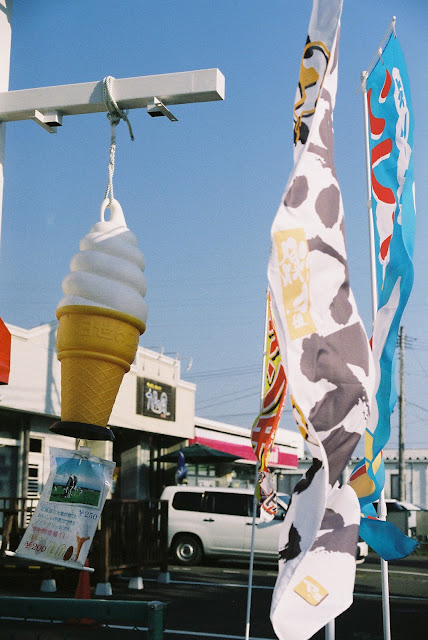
77,481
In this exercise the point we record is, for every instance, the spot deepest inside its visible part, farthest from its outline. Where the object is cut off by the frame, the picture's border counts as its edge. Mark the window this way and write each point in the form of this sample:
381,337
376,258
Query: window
188,501
280,513
232,504
33,481
393,507
395,486
287,481
36,445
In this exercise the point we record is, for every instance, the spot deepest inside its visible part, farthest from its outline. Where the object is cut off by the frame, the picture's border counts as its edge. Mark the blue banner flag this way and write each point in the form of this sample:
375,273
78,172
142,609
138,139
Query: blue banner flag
391,128
181,473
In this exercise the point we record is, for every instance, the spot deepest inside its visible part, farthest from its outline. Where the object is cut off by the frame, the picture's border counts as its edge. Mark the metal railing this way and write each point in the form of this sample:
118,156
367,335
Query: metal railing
131,616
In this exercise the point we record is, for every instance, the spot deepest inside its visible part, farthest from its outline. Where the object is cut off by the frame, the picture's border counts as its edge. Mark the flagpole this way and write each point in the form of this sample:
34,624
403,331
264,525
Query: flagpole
381,504
250,573
253,523
364,76
378,53
330,630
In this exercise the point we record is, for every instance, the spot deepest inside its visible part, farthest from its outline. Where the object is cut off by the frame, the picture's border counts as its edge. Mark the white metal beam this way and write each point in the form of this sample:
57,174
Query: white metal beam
130,93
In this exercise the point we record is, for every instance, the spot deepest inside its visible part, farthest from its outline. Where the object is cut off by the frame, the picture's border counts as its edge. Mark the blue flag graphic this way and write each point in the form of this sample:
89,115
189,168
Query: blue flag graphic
181,474
391,128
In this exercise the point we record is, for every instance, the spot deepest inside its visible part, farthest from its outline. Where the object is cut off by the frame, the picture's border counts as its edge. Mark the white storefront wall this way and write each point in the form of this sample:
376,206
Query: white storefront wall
34,381
35,384
155,367
286,441
34,393
32,402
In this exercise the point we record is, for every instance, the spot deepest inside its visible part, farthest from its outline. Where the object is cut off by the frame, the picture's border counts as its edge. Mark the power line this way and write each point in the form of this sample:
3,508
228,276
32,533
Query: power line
231,371
241,415
226,395
413,404
235,399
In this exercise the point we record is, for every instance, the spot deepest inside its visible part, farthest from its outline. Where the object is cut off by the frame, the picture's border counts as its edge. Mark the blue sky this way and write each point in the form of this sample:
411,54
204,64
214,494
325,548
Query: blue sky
201,193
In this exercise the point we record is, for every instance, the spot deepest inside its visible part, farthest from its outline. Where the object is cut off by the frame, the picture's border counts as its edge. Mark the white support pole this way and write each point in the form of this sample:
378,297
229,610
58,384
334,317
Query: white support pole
330,630
253,522
369,199
250,573
5,44
382,504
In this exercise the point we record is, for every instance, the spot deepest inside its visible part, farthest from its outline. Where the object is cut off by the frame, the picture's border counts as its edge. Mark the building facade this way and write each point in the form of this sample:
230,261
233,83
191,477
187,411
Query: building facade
154,413
416,475
285,454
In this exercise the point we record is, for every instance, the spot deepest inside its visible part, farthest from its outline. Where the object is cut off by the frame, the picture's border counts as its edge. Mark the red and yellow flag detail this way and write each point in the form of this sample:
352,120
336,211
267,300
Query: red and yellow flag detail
360,479
264,428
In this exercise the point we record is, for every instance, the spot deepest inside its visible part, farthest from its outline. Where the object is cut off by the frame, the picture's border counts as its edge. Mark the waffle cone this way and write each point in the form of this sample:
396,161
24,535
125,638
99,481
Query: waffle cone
96,347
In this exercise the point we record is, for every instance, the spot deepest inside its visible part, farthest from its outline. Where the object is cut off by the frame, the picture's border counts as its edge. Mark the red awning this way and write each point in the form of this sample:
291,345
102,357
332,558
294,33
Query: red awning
278,458
5,341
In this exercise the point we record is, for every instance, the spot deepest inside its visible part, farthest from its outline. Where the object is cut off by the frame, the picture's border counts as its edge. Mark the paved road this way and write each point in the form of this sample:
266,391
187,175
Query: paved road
210,602
212,599
406,581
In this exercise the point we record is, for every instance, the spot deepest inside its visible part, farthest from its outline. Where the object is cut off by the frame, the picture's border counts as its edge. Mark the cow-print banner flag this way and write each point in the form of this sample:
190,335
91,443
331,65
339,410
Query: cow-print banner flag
325,351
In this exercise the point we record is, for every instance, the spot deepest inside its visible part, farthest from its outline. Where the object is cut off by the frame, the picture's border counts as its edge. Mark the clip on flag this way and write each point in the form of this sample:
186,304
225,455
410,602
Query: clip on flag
265,426
391,126
325,349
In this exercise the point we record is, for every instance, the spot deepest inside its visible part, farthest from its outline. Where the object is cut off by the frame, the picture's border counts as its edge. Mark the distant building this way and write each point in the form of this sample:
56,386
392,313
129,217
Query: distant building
285,454
416,470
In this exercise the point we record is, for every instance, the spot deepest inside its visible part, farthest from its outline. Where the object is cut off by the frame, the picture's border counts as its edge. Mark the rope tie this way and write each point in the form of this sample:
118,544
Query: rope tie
115,115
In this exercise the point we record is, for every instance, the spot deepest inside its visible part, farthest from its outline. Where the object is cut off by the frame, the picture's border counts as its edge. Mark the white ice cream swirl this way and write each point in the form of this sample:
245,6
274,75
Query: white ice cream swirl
108,271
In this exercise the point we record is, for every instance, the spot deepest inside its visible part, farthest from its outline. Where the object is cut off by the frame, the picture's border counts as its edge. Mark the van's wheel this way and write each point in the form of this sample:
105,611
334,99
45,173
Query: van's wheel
187,549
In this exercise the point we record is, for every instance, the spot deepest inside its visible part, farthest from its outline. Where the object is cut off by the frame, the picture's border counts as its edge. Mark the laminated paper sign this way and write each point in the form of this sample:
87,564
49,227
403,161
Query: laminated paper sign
66,517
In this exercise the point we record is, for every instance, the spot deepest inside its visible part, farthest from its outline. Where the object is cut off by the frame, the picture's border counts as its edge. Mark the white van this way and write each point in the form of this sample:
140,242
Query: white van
402,514
217,522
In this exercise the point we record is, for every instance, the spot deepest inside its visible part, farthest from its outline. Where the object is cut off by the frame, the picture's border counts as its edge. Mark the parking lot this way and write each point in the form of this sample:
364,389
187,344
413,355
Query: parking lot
210,601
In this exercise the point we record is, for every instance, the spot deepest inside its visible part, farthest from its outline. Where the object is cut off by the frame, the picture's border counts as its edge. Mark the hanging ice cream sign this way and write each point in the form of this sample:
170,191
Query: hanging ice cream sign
64,523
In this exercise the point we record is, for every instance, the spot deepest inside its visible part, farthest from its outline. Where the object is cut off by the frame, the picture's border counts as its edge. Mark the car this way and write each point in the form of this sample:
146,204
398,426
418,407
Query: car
406,520
217,522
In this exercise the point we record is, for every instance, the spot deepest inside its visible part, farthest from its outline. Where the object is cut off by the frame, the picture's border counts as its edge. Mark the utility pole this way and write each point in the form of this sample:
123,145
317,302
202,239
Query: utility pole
401,459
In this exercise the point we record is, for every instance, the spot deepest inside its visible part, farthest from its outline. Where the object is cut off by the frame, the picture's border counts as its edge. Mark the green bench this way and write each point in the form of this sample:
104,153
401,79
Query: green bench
150,616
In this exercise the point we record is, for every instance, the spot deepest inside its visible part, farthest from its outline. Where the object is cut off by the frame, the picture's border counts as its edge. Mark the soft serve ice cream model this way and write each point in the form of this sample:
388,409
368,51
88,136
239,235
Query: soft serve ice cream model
101,319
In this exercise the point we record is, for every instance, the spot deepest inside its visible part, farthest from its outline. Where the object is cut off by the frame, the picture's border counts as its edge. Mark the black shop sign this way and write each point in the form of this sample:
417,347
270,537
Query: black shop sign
155,399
